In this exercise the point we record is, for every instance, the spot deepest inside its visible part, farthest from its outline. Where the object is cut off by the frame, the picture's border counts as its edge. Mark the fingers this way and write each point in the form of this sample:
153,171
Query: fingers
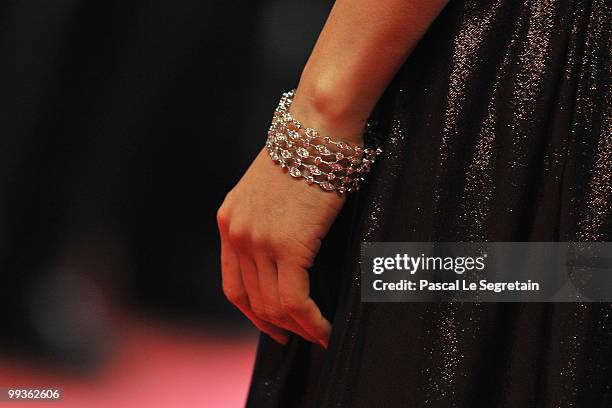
294,296
268,285
234,289
251,284
274,297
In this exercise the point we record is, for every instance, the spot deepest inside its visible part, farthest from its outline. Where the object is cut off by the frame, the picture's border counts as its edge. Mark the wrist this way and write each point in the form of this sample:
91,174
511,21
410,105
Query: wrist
331,113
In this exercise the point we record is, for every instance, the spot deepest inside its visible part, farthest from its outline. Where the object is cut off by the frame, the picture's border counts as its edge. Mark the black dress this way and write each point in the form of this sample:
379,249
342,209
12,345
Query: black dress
497,128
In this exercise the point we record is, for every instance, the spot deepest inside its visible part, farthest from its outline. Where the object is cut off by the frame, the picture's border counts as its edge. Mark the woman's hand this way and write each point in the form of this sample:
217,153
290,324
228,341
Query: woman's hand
271,228
271,224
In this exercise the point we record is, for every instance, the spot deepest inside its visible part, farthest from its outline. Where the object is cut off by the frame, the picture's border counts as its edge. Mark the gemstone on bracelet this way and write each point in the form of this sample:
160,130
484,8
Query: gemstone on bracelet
286,154
331,176
314,170
311,133
309,180
326,140
302,152
339,156
293,134
323,150
327,186
317,160
295,172
335,167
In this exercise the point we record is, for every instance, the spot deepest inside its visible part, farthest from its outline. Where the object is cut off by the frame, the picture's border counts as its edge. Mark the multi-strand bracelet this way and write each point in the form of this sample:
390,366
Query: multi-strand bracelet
332,165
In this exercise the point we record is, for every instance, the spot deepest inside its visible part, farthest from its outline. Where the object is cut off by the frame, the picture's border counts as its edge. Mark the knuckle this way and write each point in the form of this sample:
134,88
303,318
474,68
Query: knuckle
238,235
236,296
222,216
276,314
279,247
260,240
259,311
276,242
291,304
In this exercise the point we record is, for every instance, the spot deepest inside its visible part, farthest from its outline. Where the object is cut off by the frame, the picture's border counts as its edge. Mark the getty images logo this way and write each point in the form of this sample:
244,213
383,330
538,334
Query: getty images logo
412,264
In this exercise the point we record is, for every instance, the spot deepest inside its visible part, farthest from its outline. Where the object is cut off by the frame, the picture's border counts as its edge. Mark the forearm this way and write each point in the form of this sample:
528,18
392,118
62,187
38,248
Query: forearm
359,50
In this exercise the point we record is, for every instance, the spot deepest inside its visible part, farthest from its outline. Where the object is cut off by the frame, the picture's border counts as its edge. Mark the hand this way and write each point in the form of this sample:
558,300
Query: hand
271,228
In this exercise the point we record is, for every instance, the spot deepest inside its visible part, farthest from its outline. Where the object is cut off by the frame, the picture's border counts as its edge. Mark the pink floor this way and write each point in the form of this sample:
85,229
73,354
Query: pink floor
153,367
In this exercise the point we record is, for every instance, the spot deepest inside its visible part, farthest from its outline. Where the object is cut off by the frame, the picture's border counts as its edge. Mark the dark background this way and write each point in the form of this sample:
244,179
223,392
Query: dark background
122,126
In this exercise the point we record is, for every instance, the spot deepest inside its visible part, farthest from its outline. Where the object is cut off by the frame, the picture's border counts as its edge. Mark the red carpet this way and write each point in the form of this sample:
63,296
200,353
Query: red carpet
152,367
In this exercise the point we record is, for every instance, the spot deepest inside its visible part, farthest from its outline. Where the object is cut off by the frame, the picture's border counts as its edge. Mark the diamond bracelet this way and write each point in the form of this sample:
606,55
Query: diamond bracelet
333,166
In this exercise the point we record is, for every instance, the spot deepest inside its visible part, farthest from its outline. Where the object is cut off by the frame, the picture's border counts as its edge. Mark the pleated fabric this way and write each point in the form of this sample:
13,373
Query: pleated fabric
497,128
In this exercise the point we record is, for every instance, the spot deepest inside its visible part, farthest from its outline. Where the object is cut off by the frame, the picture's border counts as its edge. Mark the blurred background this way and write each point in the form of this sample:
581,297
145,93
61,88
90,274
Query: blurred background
122,126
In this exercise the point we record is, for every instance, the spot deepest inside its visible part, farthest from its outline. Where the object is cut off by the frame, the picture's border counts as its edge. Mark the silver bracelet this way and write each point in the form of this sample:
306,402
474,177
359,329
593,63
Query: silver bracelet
333,166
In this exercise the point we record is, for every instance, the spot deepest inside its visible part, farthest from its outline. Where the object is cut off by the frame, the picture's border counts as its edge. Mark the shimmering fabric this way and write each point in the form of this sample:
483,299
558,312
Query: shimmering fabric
497,128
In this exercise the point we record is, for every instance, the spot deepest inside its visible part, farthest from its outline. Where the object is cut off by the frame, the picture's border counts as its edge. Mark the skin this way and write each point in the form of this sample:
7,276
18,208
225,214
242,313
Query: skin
271,225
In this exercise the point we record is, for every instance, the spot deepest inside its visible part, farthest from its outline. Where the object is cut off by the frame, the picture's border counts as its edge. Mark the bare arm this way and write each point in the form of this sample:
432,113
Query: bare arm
271,225
361,47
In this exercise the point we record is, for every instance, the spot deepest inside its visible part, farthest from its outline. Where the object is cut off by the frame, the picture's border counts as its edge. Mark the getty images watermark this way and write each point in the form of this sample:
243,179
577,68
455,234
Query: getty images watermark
486,272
